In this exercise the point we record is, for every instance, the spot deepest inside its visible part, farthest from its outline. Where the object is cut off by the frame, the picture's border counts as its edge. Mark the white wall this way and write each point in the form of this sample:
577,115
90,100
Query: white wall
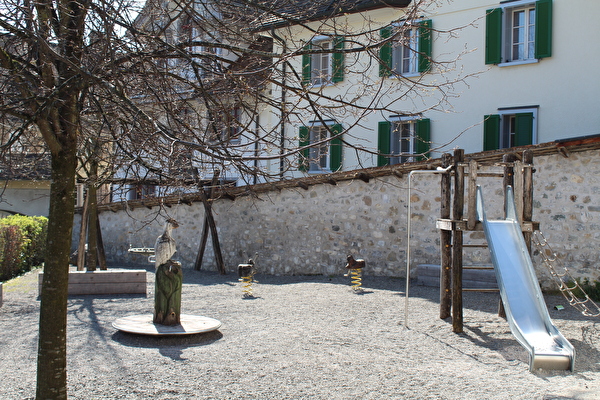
563,86
24,197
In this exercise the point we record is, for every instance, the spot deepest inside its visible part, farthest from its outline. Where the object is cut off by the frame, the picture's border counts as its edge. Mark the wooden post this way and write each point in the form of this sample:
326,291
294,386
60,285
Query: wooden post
528,193
214,234
83,234
445,242
92,227
167,293
101,252
202,246
472,196
209,224
457,241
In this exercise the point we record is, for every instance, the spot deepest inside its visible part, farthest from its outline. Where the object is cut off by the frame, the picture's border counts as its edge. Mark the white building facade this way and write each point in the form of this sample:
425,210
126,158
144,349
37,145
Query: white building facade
478,75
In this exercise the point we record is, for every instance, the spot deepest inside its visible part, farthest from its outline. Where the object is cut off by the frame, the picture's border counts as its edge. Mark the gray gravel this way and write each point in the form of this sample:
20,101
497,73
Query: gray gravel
301,337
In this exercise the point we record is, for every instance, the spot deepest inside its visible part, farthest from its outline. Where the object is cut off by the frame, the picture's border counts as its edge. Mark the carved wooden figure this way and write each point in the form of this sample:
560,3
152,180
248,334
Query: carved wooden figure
169,277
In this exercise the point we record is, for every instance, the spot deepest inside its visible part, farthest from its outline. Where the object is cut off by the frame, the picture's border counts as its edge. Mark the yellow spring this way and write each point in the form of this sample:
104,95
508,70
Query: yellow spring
247,285
356,276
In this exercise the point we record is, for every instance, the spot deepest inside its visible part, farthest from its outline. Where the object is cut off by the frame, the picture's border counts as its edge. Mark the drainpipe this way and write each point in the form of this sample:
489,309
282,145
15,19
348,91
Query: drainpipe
438,170
256,148
282,118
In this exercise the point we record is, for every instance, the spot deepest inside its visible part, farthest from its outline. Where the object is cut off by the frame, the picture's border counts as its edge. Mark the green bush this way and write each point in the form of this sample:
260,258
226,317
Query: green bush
592,289
22,244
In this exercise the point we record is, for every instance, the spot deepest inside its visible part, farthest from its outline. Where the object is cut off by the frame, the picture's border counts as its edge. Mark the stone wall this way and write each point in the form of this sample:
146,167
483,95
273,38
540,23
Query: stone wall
300,231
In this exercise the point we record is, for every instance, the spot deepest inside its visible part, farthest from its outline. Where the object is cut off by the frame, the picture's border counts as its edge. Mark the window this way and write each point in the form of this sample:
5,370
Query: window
519,32
323,67
409,53
325,155
510,128
402,139
227,125
204,60
139,192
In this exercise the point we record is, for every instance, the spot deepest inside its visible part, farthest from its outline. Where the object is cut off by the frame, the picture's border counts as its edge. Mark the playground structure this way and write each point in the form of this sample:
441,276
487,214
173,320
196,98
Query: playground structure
354,268
526,310
509,241
517,172
246,276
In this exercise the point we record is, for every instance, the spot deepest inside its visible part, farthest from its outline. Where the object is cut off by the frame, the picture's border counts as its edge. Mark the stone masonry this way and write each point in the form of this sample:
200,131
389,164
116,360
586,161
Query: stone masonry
310,231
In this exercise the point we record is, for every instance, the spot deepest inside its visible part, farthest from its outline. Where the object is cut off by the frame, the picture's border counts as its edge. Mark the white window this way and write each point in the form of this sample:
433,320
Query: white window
405,52
410,51
321,147
321,63
318,154
227,125
521,25
510,127
402,141
518,32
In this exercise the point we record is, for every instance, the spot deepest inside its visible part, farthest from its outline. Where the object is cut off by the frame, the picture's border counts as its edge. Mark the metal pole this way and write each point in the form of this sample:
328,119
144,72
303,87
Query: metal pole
439,170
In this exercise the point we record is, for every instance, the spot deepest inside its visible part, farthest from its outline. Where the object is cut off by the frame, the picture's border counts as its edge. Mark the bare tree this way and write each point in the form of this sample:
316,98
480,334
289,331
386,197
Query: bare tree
168,92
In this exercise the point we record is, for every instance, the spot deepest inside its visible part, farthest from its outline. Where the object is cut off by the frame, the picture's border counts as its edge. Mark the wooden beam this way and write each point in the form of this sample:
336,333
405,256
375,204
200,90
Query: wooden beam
446,242
83,234
457,240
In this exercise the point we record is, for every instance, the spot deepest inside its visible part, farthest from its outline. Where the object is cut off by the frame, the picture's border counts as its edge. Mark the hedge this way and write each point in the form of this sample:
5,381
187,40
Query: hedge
22,244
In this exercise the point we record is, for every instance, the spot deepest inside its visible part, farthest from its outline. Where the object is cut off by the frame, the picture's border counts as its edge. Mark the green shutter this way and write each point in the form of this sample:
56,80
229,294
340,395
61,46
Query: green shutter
543,28
423,137
335,149
303,155
425,42
383,142
306,65
523,129
491,132
385,53
493,36
338,60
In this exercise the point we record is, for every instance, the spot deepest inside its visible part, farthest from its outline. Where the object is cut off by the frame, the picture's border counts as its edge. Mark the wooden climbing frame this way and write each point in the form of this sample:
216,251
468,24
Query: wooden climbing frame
518,173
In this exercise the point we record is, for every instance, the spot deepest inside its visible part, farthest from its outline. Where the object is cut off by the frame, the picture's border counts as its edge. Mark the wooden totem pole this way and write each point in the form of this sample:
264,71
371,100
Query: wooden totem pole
168,280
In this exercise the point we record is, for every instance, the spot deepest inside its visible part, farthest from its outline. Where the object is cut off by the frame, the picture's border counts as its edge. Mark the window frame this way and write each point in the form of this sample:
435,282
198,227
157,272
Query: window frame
335,61
497,128
333,148
499,32
419,58
419,129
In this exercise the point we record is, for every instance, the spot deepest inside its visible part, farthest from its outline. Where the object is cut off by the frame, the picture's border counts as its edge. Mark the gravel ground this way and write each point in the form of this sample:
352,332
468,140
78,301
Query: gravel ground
301,337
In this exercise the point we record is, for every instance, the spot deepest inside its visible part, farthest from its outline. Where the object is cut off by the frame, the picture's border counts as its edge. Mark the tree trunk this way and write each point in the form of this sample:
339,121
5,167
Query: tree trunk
52,346
167,293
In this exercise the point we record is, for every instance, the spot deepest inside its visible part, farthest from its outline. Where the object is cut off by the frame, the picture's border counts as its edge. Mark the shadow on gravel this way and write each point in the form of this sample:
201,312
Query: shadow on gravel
170,346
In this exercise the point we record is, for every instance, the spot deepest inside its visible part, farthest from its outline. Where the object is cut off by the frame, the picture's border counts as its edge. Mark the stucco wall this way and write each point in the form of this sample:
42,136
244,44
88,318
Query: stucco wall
25,197
297,231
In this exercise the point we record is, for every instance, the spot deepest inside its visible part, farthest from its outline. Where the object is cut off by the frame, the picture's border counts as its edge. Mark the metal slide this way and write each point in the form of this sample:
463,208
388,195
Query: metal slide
523,301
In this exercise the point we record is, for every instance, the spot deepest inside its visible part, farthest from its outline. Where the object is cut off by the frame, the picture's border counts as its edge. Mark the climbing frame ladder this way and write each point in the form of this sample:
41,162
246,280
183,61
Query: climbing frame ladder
568,285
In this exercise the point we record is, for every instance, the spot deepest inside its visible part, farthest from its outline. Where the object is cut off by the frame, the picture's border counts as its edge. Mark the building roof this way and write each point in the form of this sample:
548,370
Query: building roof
279,13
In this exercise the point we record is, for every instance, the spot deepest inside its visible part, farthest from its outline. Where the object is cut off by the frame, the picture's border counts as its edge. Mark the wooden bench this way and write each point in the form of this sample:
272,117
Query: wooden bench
104,282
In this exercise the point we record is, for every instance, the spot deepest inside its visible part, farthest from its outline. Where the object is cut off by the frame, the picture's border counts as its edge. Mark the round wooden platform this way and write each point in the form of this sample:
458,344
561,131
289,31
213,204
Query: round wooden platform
143,325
